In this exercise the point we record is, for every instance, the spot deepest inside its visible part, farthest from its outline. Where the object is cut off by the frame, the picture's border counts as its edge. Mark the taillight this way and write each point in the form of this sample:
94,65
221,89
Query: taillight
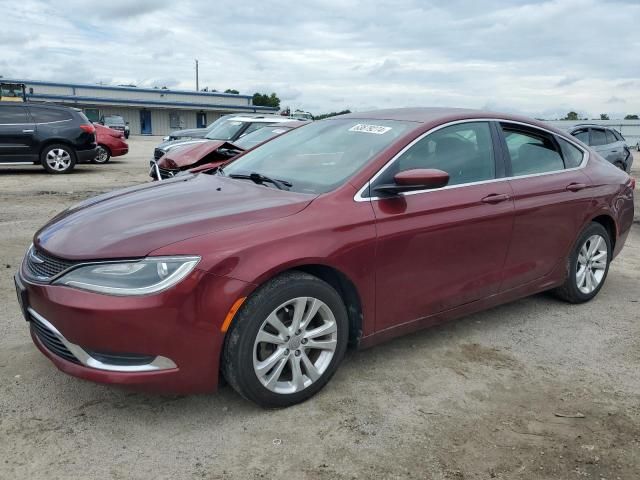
88,128
633,183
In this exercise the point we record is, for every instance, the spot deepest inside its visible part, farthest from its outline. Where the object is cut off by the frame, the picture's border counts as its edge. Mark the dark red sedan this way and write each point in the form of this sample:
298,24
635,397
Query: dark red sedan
347,231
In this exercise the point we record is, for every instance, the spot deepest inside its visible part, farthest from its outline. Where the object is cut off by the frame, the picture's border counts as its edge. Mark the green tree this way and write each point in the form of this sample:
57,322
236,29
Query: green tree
232,90
571,116
631,117
265,100
604,116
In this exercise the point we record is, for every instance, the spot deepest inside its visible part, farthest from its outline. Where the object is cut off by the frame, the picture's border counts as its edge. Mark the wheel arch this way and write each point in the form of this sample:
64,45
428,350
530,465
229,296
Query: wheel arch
56,141
106,147
609,224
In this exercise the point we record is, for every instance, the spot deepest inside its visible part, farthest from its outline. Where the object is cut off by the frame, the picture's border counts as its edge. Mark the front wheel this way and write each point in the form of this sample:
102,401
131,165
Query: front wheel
588,265
103,155
286,341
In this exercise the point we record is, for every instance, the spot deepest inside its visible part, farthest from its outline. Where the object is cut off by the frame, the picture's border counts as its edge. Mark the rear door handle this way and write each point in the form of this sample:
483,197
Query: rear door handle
28,131
496,198
575,187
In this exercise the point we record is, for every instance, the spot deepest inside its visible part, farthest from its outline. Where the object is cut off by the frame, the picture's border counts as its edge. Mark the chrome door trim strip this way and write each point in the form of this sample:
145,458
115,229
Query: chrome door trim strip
359,198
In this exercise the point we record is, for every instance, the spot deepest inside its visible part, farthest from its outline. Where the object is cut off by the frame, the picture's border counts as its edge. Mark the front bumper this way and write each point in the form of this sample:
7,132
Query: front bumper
86,156
173,337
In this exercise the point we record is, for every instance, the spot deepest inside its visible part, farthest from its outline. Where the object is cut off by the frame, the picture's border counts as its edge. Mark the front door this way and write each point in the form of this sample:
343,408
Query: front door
145,122
201,119
17,135
439,249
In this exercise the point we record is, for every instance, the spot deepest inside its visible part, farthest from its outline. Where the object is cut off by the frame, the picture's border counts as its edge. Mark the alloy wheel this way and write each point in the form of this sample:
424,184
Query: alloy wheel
58,159
295,345
102,155
592,264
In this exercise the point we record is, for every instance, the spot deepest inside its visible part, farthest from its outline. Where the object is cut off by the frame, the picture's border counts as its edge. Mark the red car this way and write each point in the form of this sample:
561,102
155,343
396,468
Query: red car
349,231
111,143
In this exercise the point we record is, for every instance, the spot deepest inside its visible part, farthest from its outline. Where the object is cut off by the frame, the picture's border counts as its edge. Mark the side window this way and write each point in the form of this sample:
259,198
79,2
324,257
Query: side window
572,154
13,115
45,115
464,151
531,152
611,138
598,137
618,135
582,135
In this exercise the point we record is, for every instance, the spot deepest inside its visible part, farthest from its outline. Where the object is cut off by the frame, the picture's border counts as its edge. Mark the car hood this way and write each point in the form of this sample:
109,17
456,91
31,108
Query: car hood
135,221
171,144
189,132
191,155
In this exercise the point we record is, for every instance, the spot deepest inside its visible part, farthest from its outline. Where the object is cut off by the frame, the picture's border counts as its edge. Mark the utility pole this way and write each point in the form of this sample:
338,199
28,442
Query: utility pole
197,81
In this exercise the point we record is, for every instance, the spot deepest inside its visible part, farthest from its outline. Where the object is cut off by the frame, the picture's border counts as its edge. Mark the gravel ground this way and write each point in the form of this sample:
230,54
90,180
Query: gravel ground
474,399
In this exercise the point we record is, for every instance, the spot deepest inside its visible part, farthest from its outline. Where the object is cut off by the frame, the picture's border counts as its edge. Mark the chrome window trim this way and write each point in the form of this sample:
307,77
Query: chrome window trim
158,363
359,198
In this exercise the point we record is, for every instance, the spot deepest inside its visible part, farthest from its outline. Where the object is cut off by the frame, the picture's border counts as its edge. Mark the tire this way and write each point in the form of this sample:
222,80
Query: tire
58,158
103,156
248,363
582,288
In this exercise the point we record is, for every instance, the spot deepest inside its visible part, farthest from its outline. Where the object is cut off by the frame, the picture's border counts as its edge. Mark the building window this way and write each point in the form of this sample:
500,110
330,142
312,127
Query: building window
174,120
93,114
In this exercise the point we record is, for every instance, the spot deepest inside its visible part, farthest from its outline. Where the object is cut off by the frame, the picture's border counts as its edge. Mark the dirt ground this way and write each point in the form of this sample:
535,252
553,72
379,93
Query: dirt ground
474,399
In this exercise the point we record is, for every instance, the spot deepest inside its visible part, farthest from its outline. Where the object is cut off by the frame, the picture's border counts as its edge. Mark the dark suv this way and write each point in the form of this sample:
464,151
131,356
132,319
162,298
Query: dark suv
54,136
609,143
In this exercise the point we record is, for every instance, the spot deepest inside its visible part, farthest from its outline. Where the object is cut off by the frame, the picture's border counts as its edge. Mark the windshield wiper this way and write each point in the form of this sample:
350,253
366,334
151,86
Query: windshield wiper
260,179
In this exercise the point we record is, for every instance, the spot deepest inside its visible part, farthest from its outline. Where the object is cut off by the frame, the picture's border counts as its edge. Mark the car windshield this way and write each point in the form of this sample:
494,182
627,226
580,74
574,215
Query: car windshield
225,130
114,120
320,156
261,135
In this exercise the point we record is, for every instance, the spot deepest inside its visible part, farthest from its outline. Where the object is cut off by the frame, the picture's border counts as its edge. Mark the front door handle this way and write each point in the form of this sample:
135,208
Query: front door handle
28,131
496,198
576,187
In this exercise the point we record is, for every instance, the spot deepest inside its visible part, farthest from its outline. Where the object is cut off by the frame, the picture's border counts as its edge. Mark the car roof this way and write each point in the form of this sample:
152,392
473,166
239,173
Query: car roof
290,123
260,119
35,104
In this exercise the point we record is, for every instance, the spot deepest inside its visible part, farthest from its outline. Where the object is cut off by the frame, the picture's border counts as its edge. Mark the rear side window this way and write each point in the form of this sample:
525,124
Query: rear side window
618,135
46,115
598,137
572,154
611,138
582,135
464,151
13,115
531,152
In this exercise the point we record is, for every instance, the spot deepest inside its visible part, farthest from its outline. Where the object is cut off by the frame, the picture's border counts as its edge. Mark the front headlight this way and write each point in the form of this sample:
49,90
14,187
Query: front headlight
166,139
135,277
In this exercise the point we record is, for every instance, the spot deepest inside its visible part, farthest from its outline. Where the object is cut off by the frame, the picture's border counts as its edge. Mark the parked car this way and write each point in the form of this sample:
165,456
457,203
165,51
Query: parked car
214,153
608,142
230,129
111,143
53,136
188,133
116,122
349,231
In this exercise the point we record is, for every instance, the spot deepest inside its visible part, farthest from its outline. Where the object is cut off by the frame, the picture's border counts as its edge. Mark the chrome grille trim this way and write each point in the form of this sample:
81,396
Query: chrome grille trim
44,267
59,344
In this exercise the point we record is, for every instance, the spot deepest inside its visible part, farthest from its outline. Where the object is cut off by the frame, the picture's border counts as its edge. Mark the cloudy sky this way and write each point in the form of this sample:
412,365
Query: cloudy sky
542,58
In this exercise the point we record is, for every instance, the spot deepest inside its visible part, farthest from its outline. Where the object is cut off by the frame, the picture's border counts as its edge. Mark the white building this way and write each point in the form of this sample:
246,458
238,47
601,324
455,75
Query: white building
149,111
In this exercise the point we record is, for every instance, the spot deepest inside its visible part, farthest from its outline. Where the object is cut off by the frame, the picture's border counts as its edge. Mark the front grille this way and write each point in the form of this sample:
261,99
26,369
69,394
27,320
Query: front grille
157,153
43,266
50,340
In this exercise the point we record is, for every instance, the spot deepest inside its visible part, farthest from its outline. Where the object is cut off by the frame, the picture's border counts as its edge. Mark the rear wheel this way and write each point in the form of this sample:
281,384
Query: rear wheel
286,341
588,265
58,159
103,155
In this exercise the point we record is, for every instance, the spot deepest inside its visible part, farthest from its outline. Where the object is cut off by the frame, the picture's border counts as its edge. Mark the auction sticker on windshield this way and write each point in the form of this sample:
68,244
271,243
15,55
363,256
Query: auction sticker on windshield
377,129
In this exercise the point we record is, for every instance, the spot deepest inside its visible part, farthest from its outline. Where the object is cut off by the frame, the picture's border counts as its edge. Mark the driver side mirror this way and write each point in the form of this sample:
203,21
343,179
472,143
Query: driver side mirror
415,179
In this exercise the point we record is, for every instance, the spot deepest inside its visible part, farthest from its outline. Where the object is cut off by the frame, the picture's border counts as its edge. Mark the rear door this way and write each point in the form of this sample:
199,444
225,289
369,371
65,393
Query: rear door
616,149
600,143
550,194
17,135
438,249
